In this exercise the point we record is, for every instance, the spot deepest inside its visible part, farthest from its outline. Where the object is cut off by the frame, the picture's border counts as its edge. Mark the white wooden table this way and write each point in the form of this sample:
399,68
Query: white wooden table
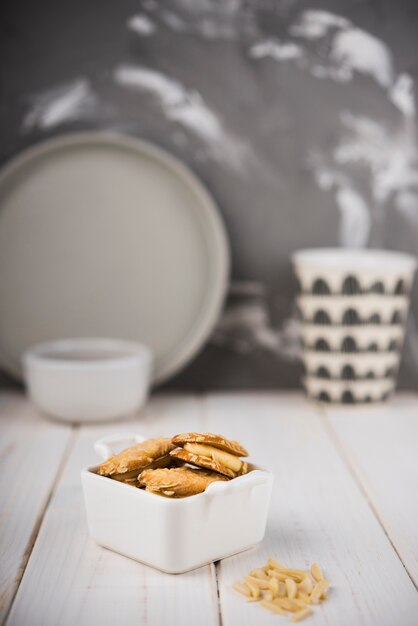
345,495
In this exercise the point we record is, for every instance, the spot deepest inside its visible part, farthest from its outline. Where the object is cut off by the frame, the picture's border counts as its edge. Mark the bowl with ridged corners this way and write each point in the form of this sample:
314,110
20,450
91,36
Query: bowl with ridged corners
175,535
351,392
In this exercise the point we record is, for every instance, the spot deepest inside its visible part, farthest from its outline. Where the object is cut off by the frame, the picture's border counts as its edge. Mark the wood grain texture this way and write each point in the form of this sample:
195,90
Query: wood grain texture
318,513
31,450
335,502
381,445
70,580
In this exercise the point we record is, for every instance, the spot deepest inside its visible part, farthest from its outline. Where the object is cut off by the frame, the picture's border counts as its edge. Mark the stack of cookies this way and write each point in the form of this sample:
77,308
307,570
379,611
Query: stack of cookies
178,467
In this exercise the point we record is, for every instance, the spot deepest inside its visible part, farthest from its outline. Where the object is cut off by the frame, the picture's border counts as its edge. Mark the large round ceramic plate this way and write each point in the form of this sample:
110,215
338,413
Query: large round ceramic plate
106,236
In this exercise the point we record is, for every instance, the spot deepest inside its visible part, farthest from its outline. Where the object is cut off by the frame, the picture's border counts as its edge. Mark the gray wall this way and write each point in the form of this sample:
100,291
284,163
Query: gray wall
299,117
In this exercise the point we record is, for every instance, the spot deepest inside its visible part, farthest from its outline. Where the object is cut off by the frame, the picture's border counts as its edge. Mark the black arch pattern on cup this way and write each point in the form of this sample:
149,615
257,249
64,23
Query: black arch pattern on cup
323,372
370,375
373,347
322,345
348,373
390,372
349,344
400,288
321,317
396,318
393,345
374,319
377,287
347,397
351,286
320,287
324,397
351,317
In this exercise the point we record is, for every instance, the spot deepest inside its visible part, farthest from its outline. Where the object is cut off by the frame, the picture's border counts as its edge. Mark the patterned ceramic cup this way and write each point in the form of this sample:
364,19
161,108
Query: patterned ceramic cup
353,306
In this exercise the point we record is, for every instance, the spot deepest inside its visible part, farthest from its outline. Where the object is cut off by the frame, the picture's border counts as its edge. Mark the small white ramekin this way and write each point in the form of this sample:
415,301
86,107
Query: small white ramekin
175,535
88,380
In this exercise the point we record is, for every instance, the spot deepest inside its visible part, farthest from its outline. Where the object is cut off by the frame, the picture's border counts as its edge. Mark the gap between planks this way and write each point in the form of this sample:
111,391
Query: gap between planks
350,465
38,523
215,573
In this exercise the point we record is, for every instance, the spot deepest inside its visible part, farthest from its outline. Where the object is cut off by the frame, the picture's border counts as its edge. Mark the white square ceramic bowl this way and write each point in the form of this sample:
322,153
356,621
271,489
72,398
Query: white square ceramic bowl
176,535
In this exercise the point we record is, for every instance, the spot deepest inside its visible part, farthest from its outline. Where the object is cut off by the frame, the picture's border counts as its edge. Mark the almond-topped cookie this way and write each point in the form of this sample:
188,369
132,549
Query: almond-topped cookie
211,458
177,482
127,464
210,439
212,452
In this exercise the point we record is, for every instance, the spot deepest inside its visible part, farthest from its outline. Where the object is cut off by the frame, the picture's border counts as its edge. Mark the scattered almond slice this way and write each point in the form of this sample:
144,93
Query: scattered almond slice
306,585
254,589
288,603
301,614
274,587
319,591
284,590
272,563
261,583
304,597
259,573
279,575
291,587
272,606
316,572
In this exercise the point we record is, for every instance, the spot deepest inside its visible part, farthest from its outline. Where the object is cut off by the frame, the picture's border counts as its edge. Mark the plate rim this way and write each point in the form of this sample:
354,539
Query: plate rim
220,262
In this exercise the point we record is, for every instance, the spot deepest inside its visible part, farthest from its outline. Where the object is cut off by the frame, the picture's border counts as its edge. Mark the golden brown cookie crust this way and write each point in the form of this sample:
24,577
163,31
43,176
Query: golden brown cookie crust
177,482
234,447
207,463
138,457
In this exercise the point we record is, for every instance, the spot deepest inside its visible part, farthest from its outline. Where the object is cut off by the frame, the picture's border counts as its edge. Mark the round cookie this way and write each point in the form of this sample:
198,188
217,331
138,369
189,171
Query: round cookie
149,453
217,441
210,458
177,482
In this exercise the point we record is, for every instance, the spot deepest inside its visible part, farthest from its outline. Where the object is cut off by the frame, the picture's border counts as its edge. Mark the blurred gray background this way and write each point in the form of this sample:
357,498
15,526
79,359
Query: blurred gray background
299,117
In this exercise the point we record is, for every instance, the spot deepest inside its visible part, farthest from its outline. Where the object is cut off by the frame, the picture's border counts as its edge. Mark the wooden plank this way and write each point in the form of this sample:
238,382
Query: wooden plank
31,450
381,447
70,580
318,514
